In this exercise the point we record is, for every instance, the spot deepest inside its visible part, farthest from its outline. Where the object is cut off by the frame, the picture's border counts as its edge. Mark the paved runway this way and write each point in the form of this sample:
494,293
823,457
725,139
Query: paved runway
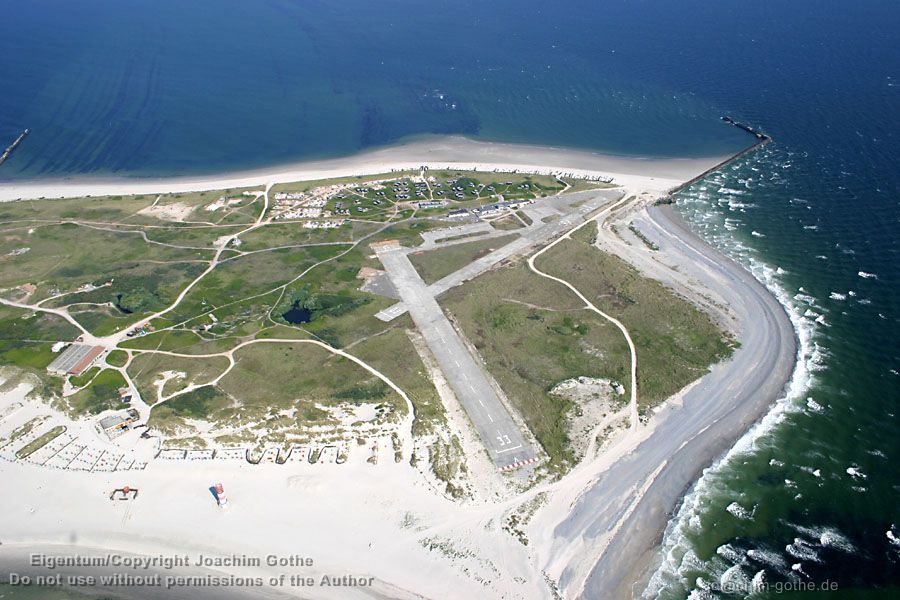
498,431
564,215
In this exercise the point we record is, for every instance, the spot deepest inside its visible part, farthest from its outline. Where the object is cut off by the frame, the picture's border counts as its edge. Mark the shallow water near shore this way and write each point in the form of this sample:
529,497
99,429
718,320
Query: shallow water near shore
171,88
810,494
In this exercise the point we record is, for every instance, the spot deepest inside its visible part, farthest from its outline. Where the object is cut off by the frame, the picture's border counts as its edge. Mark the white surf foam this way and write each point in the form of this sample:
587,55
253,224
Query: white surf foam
856,473
892,537
769,558
739,511
735,579
826,537
686,522
730,553
803,550
814,406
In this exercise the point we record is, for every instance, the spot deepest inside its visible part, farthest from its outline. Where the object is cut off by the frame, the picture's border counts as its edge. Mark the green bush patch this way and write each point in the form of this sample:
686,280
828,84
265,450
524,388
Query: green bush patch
39,442
117,358
196,404
102,394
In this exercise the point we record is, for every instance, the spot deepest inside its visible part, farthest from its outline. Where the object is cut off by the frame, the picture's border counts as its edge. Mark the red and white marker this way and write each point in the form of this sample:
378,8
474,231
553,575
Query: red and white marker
519,464
220,495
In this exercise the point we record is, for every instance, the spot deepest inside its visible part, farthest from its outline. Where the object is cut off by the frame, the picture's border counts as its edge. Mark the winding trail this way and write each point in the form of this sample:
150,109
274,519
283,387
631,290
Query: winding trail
606,542
113,341
229,354
590,305
59,312
116,338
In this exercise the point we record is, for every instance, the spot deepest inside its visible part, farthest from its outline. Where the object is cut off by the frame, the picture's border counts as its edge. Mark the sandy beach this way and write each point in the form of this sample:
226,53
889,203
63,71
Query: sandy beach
622,515
435,152
594,532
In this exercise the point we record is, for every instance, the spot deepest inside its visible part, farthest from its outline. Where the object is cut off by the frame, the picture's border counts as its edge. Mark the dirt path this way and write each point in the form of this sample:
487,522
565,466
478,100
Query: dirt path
406,428
590,305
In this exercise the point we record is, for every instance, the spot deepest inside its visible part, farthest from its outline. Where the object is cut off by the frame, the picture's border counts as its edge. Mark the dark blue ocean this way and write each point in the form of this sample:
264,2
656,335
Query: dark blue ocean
813,494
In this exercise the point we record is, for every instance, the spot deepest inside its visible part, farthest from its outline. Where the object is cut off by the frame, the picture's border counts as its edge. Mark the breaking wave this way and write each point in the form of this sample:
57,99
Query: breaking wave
678,558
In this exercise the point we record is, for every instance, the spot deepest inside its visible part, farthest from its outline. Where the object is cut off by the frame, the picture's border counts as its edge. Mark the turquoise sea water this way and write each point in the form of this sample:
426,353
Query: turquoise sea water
143,88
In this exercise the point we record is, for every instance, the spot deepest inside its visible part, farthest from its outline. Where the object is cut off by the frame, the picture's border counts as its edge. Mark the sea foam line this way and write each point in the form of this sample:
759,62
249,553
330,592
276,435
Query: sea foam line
676,548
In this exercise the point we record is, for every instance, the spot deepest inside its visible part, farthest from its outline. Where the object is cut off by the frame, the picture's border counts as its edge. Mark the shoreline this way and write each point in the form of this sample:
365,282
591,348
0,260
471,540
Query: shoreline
455,152
758,372
762,407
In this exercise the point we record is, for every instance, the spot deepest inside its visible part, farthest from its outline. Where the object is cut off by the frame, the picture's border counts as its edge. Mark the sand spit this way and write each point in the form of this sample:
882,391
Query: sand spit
606,543
590,534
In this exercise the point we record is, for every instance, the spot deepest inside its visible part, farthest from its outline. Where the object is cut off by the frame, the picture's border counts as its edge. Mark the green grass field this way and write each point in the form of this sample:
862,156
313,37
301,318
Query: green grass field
146,369
293,234
85,378
533,334
111,262
302,371
508,223
26,343
676,342
433,265
117,358
101,394
280,386
61,258
393,354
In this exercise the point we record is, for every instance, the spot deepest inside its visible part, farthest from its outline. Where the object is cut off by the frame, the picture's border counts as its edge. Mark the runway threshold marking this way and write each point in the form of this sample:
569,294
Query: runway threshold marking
509,449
